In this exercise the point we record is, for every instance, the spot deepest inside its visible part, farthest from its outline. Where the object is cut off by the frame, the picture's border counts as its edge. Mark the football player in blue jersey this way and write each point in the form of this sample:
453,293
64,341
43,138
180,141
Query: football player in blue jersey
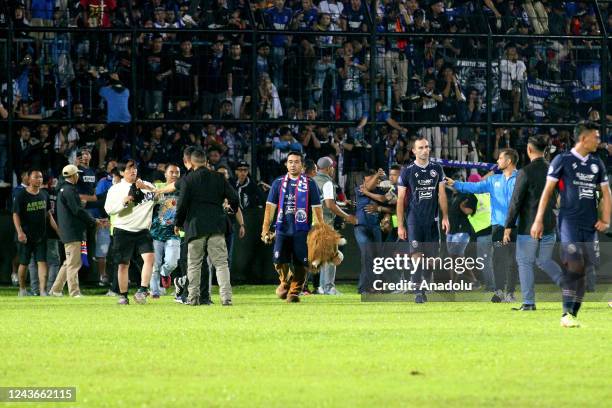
578,175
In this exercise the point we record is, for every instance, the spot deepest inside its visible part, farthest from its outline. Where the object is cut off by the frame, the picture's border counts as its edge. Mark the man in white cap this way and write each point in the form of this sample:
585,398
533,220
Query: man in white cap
327,189
73,221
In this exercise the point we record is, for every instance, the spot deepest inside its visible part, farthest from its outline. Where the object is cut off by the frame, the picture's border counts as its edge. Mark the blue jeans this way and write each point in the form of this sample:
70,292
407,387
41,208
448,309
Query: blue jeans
327,275
484,250
277,60
529,252
53,266
366,236
167,255
456,243
352,107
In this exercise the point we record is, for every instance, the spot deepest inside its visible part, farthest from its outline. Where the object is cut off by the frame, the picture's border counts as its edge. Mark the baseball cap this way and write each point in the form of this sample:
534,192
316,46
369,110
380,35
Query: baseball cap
70,170
325,163
241,164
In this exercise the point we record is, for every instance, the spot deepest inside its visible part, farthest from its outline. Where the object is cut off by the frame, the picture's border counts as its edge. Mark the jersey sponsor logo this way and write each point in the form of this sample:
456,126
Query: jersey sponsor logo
586,192
89,179
425,195
594,168
426,182
585,177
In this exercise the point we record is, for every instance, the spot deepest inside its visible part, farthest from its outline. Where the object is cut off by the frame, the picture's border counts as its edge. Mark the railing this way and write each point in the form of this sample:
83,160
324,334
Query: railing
377,85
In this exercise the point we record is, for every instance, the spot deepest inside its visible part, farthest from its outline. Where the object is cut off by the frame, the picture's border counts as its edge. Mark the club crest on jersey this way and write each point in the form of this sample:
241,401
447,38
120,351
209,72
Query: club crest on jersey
433,173
415,244
594,168
300,215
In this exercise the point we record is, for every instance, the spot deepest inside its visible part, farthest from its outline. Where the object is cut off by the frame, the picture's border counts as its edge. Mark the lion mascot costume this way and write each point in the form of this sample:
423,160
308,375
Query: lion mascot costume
323,243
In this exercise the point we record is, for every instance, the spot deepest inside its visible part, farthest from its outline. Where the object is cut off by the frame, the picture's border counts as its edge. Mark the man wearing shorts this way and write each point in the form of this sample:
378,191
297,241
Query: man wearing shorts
578,175
296,196
421,195
31,210
132,208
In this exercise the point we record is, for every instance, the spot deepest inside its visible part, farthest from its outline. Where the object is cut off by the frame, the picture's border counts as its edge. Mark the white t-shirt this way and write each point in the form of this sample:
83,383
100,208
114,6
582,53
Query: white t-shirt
328,191
511,71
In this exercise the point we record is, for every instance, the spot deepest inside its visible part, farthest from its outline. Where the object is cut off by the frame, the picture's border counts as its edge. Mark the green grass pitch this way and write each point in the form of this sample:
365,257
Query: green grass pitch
322,352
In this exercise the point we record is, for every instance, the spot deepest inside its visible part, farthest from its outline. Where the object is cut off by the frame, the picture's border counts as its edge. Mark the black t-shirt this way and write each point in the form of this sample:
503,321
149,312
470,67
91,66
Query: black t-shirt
184,68
154,65
457,218
87,181
239,70
32,210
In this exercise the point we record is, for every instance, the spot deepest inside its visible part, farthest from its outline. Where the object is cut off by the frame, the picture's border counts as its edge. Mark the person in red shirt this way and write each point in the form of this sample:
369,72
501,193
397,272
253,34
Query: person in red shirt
96,12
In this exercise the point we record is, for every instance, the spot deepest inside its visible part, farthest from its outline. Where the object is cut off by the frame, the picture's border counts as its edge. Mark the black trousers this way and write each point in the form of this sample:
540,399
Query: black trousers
204,286
504,263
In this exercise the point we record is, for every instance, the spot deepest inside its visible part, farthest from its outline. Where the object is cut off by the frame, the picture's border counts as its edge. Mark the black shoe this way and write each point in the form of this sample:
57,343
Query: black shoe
226,303
497,297
206,301
420,298
179,287
525,308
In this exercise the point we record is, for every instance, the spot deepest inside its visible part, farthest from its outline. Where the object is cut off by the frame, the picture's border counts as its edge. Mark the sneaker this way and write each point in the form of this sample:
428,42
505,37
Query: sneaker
166,281
23,293
57,294
155,296
78,295
293,299
320,291
569,321
497,296
103,281
334,292
305,292
110,293
420,298
525,308
44,294
14,279
509,298
140,297
178,299
179,284
227,302
123,300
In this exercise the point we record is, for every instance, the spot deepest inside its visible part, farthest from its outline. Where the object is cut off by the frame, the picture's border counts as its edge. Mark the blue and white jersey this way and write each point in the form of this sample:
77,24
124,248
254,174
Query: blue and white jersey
421,192
278,20
578,177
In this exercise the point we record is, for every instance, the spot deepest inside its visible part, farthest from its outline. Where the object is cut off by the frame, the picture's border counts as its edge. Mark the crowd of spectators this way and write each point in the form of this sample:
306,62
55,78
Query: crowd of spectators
321,73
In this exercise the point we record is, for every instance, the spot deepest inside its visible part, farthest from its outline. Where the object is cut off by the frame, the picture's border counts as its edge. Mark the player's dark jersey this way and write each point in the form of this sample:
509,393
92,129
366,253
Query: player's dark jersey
578,177
421,192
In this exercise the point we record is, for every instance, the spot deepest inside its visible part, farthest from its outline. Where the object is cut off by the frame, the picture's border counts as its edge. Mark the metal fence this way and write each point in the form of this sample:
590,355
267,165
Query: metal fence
562,56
